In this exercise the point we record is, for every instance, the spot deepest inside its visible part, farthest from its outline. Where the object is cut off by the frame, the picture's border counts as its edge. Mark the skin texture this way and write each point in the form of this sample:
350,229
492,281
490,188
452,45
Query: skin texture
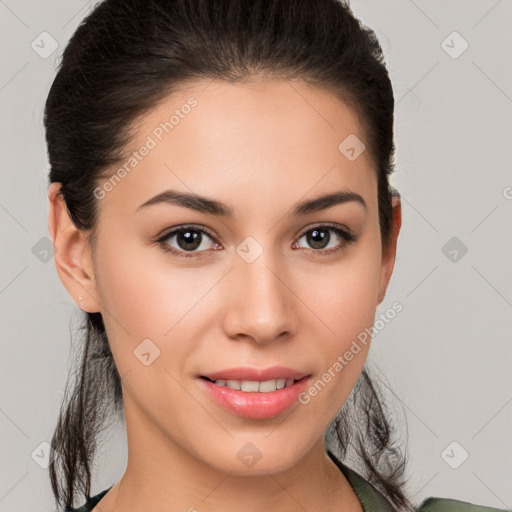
259,147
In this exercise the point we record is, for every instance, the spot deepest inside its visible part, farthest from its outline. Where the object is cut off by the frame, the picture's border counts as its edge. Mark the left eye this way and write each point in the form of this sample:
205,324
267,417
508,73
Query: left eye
189,239
319,238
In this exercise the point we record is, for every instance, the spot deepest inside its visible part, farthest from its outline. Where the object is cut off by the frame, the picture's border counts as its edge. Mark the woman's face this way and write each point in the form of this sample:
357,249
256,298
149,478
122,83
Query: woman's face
266,286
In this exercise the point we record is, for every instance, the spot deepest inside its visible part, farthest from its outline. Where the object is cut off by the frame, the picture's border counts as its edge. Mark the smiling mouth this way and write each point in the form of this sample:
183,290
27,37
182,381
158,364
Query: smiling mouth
255,399
254,386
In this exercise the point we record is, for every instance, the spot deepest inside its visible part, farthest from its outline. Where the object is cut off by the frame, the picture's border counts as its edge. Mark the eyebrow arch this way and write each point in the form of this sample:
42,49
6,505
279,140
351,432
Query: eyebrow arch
211,206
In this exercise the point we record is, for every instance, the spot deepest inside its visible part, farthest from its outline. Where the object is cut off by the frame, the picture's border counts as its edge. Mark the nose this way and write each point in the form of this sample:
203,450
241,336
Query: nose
261,306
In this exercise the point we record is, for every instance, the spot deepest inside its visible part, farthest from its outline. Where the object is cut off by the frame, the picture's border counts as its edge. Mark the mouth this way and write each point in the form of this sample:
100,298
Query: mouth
255,399
255,386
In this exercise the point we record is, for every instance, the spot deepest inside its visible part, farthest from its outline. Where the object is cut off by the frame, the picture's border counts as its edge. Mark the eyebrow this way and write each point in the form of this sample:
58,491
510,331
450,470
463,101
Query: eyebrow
211,206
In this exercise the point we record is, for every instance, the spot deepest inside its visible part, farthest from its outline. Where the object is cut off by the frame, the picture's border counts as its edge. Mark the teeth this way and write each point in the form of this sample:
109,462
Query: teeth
256,386
281,383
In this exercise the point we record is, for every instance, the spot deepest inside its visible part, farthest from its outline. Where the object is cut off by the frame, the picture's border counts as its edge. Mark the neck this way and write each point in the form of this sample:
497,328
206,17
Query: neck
162,476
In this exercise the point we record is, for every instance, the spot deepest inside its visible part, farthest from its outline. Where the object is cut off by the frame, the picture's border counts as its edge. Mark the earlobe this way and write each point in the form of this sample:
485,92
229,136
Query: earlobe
72,253
388,258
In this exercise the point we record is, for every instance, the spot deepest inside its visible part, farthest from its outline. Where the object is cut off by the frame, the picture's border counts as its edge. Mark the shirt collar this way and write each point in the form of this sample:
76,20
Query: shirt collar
371,499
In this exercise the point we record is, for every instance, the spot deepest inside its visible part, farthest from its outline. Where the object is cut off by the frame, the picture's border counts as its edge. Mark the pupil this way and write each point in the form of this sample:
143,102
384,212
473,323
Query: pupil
191,239
317,240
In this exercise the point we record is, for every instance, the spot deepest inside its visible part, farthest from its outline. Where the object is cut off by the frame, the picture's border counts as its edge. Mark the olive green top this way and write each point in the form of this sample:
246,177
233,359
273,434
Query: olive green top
371,499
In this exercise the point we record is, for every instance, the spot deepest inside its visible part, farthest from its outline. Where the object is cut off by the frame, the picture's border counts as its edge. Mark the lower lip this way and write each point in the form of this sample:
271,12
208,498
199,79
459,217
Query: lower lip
255,405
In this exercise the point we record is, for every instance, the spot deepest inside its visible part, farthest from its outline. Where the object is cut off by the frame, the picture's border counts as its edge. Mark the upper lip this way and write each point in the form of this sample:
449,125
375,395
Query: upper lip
258,374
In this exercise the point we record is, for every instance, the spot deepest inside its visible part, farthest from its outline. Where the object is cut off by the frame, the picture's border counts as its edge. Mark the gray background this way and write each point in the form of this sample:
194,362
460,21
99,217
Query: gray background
446,356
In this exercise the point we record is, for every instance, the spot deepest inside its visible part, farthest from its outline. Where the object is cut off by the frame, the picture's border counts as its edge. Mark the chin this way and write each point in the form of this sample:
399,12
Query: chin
261,456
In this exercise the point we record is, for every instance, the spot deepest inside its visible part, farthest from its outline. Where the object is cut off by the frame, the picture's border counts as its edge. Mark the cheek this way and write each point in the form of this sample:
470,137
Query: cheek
344,299
344,295
144,302
141,299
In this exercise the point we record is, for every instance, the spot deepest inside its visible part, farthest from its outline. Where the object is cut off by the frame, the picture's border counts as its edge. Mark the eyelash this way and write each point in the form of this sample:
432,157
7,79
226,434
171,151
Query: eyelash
345,235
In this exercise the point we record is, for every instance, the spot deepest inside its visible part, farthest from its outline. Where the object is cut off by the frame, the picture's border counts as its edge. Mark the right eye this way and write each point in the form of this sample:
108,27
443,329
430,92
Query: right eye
188,239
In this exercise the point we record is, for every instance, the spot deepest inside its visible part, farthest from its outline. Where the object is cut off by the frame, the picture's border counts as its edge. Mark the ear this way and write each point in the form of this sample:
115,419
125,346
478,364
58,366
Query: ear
388,257
72,253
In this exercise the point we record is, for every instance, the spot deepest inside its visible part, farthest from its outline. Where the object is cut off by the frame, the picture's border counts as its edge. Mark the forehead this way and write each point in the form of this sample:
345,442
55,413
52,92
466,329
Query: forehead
253,139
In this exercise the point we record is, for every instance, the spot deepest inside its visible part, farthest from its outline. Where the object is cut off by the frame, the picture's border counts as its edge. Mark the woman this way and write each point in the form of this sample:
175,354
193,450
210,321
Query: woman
220,209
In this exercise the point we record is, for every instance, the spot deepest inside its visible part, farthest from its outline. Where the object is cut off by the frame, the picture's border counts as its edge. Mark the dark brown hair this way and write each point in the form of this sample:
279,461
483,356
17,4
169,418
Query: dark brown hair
124,58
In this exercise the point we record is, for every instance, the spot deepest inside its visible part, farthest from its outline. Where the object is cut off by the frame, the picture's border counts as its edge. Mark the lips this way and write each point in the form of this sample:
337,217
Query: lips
255,374
262,404
255,393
